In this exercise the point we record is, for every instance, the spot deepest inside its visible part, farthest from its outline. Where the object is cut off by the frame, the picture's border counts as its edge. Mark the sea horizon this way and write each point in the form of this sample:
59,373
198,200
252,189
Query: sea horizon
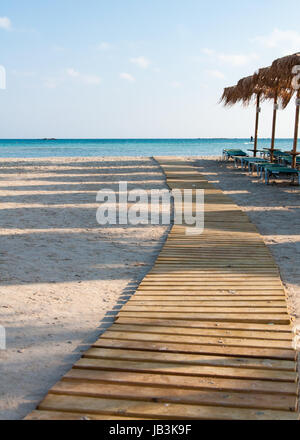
135,138
145,147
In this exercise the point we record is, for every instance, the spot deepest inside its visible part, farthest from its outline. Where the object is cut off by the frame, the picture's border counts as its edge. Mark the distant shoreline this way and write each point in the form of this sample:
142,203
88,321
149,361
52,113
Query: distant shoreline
136,139
30,148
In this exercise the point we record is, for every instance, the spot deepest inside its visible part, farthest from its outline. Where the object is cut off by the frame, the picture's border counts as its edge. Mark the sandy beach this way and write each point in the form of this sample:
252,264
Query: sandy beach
63,277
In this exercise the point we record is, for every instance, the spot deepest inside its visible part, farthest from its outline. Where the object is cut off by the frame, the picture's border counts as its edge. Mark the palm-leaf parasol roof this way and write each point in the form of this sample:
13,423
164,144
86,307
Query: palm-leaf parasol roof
265,83
231,96
282,68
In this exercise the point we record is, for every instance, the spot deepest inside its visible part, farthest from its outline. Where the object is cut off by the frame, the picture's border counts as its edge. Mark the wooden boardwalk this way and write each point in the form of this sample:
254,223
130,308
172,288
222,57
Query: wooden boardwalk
206,336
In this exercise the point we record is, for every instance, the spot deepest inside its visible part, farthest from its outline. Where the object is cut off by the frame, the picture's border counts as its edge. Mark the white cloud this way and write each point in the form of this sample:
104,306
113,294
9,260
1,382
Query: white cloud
233,59
83,77
52,82
91,79
216,74
58,49
175,84
288,41
207,51
237,60
23,73
104,46
127,76
142,62
5,23
73,73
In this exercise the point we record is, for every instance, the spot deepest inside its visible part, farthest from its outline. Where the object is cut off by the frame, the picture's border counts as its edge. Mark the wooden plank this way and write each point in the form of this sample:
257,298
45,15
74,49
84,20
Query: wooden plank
189,370
158,410
127,332
178,288
239,317
56,415
216,332
183,396
209,266
184,382
189,303
210,277
217,260
214,299
224,283
205,267
217,254
211,350
275,329
191,359
208,293
276,311
198,247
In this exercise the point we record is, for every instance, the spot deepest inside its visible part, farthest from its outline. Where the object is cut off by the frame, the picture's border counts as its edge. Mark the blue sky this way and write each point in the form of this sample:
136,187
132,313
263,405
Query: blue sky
138,68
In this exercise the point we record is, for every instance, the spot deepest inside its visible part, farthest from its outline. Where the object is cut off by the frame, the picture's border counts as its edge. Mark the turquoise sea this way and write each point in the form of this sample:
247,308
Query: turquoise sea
127,147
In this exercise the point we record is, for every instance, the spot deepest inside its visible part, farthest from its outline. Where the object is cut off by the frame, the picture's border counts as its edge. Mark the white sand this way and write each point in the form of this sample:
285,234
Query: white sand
61,274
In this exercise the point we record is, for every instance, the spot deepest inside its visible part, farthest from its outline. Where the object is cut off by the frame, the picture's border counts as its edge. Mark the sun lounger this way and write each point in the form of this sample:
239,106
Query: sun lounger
287,160
238,160
263,165
264,168
281,171
252,162
230,154
267,153
244,161
258,166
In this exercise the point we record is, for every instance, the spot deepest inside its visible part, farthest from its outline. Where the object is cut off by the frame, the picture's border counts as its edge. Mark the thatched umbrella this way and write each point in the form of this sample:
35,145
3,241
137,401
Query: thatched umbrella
278,89
231,96
284,70
284,66
276,83
244,91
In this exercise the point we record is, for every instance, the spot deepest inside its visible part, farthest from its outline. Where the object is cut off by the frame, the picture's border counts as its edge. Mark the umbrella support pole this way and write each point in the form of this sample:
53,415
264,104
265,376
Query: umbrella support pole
296,131
274,128
256,124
